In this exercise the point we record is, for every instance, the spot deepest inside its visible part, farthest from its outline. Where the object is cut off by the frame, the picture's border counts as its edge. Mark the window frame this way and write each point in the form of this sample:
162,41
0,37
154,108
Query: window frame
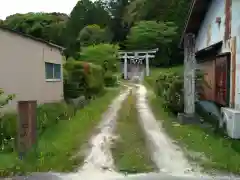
54,79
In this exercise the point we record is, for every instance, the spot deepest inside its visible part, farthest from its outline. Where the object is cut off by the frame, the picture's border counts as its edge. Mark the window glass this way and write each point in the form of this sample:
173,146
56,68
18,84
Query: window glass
57,71
49,70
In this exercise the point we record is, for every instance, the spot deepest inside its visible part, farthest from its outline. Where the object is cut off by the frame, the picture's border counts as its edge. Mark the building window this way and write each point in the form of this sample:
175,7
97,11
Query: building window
52,71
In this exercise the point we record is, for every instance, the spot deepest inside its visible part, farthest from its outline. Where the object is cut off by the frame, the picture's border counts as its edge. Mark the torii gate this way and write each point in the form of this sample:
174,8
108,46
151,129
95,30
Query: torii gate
137,57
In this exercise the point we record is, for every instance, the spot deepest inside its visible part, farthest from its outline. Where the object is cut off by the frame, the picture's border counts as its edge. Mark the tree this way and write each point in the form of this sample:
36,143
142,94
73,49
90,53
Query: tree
150,34
84,13
119,28
93,35
164,11
105,55
47,26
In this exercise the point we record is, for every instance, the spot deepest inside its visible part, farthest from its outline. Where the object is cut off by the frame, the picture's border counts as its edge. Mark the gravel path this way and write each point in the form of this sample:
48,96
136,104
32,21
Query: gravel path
166,155
99,164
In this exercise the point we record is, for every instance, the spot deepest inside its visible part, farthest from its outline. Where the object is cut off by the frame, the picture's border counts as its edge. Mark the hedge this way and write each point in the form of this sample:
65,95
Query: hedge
47,116
82,79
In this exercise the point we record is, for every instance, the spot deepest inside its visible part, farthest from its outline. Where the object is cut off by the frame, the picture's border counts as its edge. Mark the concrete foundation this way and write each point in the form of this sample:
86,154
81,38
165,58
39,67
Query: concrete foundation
188,119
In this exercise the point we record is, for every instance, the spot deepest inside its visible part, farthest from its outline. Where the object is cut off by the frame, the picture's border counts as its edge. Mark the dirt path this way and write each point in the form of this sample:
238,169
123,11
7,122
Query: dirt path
129,150
166,155
99,164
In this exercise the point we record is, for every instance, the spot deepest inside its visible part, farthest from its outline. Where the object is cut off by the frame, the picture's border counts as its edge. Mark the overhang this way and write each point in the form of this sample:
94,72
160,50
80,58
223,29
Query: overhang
196,14
211,51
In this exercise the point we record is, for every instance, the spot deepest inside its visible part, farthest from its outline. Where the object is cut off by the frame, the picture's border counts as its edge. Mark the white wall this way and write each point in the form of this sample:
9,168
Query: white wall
236,33
22,69
216,9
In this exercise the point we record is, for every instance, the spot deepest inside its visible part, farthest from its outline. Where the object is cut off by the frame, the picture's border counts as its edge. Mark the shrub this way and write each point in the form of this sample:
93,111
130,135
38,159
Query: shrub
82,78
95,80
5,126
47,116
4,99
170,85
110,79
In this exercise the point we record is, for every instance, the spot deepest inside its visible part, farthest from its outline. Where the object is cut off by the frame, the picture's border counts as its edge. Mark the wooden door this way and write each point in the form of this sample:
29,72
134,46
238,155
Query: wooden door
222,80
208,88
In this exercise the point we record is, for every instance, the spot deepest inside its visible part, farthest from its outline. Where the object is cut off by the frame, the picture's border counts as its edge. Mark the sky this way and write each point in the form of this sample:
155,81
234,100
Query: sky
9,7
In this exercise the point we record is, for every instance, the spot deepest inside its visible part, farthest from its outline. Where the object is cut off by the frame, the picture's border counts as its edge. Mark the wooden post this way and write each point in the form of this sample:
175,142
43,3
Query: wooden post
27,125
189,74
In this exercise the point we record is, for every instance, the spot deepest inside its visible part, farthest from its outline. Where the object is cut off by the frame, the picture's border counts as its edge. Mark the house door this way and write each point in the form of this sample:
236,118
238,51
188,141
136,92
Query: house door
222,80
208,88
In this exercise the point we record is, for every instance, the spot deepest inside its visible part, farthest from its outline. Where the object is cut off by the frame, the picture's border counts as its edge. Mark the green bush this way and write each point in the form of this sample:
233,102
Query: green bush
5,126
110,79
169,85
47,116
9,125
95,80
82,79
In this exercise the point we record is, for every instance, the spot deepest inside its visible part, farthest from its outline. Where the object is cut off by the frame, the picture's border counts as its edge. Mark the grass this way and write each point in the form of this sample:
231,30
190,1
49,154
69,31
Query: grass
58,145
212,151
130,152
154,71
